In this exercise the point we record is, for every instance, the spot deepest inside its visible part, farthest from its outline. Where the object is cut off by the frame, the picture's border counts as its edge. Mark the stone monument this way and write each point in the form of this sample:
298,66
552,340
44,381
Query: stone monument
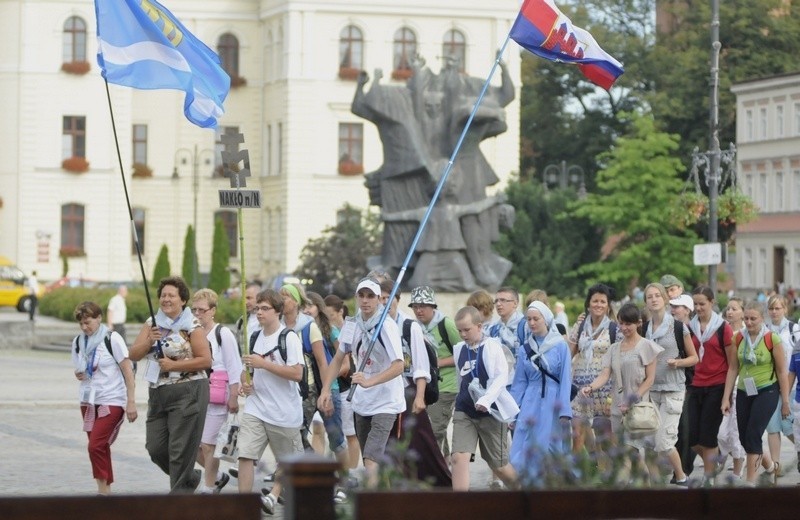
419,125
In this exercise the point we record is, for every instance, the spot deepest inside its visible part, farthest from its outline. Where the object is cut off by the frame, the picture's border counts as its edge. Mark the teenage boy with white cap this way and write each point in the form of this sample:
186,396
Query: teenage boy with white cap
441,331
379,397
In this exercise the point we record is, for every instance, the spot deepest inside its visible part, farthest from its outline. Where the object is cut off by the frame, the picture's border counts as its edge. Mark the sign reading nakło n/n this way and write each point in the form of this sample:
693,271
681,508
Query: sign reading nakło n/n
709,254
239,199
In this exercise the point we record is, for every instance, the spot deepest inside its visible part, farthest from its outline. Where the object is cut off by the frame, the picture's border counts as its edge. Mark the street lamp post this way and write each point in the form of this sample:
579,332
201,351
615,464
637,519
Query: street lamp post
565,175
195,156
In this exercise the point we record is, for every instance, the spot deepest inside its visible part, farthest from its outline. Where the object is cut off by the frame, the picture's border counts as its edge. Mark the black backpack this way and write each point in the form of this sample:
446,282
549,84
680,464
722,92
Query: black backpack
281,348
106,340
445,337
432,388
612,330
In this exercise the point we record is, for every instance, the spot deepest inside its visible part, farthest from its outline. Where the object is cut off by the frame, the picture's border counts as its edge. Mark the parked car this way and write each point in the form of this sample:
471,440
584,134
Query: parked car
70,281
14,286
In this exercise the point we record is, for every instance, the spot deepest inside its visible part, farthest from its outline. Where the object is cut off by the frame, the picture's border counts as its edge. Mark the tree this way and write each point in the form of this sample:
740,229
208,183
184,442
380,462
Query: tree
219,279
637,188
162,268
189,267
337,259
545,244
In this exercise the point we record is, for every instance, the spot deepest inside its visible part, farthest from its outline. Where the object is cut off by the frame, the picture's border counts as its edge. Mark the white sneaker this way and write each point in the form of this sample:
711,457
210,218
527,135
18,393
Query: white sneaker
268,504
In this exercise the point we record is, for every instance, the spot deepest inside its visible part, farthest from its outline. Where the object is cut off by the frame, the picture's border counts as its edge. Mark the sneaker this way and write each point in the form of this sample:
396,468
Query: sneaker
683,483
202,490
234,472
496,484
269,477
268,504
776,472
268,491
339,497
222,482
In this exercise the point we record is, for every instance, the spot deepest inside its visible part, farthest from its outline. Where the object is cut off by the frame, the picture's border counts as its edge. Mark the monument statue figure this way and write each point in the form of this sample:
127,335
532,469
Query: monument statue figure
419,125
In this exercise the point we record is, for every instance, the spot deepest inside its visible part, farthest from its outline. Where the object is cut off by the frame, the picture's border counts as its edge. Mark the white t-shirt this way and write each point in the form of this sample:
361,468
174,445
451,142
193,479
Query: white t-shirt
117,310
225,358
387,397
276,400
107,379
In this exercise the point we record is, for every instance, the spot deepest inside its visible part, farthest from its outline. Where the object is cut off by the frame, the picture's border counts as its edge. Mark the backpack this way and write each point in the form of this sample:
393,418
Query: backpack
445,337
281,348
678,330
106,340
305,338
432,388
738,337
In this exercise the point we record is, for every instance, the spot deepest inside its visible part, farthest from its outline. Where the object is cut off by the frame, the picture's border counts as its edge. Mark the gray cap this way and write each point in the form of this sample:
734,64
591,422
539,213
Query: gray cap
422,295
669,280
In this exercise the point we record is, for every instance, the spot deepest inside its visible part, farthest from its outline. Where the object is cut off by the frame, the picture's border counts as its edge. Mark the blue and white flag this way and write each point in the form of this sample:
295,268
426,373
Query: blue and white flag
142,45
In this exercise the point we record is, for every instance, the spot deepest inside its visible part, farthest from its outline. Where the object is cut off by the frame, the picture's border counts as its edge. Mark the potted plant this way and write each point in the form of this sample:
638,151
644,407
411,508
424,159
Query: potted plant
75,164
141,170
76,67
734,207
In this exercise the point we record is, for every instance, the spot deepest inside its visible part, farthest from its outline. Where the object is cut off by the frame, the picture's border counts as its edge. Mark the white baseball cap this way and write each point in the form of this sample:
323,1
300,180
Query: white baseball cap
685,300
369,283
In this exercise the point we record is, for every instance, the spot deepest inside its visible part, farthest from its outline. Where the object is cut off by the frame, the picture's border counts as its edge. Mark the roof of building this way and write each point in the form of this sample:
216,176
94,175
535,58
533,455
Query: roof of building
772,223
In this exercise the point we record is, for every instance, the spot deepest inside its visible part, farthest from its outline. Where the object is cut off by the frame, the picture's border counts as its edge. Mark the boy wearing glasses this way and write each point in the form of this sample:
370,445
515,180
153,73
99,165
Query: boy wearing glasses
273,410
510,328
379,397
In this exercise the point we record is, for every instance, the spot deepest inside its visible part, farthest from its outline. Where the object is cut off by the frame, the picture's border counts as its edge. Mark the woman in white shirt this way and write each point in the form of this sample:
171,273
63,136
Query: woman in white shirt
100,358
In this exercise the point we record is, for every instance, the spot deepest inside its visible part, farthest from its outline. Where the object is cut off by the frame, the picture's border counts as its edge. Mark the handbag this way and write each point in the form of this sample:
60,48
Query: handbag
218,387
641,417
227,447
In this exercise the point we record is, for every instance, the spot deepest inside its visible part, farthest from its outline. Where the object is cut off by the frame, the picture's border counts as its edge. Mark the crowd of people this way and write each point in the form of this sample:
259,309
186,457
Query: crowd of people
642,391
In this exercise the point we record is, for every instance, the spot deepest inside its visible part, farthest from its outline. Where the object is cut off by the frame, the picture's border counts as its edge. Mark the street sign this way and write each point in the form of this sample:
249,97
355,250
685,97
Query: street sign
708,254
239,199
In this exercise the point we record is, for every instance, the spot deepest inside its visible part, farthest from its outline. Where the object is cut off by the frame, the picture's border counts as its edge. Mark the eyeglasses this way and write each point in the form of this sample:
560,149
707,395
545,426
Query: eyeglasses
264,308
503,300
197,310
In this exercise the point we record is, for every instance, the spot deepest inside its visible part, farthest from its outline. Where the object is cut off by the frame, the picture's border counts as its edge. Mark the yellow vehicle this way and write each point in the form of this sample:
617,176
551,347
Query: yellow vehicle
14,290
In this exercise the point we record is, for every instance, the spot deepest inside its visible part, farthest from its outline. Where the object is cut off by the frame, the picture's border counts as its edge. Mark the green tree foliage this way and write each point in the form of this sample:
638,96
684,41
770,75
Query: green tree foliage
219,279
636,189
189,266
337,259
162,268
545,244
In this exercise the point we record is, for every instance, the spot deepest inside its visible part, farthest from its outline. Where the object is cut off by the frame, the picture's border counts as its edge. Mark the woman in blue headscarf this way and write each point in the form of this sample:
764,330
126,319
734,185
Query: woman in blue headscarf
541,388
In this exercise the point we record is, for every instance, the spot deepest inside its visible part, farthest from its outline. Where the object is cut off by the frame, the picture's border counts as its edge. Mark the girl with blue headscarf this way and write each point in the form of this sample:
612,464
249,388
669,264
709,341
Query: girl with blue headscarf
541,388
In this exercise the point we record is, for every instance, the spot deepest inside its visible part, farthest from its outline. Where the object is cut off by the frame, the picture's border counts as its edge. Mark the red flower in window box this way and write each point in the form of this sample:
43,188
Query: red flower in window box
348,73
75,164
402,74
238,81
348,167
141,170
71,252
76,67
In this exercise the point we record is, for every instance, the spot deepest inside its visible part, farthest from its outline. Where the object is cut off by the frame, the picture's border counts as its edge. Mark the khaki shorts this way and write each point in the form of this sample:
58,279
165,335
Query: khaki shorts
488,432
670,408
255,435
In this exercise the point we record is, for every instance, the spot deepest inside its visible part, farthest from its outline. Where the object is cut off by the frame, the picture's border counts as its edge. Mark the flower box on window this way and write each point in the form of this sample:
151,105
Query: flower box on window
348,167
76,67
348,73
402,74
238,81
75,164
71,252
141,170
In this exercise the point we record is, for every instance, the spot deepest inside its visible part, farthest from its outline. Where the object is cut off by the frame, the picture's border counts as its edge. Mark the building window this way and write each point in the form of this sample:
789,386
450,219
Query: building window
279,151
219,147
140,144
138,224
748,123
763,189
72,222
748,268
351,148
351,52
268,154
796,274
762,122
779,121
74,41
761,268
230,225
73,141
796,190
779,191
454,47
404,50
748,185
797,119
228,50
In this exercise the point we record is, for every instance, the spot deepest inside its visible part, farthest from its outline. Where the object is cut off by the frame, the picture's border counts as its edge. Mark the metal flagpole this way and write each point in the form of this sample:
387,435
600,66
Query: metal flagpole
428,212
130,214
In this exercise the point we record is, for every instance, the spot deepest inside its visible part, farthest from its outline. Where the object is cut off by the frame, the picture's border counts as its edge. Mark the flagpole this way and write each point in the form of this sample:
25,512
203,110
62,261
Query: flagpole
130,212
244,348
424,222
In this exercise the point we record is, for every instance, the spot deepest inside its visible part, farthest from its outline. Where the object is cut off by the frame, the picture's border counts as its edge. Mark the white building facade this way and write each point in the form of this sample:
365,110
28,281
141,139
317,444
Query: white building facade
293,66
768,164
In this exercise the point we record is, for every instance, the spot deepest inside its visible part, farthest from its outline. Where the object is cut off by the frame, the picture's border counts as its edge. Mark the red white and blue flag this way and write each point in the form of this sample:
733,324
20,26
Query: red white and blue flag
544,30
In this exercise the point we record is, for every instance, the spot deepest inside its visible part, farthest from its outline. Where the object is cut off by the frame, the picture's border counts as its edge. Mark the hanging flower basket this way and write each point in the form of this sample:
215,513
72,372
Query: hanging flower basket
141,170
734,207
76,67
690,209
75,164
